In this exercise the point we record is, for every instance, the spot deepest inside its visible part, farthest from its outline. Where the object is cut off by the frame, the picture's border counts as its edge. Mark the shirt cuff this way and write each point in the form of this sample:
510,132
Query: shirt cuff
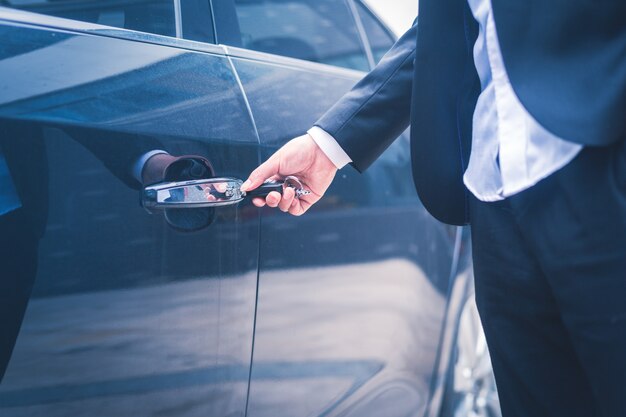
138,167
330,147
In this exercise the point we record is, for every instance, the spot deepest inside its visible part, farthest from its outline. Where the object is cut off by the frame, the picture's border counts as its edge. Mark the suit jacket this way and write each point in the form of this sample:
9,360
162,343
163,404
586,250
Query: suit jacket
566,60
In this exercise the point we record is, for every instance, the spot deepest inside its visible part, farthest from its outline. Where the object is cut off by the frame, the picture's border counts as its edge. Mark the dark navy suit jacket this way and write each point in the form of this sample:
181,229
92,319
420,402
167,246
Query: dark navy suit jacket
566,60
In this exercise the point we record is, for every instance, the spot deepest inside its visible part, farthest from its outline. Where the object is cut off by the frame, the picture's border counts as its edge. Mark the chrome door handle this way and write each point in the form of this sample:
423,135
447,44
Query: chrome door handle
209,192
206,192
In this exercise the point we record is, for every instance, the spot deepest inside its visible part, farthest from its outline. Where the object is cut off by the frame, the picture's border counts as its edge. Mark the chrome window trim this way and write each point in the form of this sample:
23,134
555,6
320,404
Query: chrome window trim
36,20
296,63
178,19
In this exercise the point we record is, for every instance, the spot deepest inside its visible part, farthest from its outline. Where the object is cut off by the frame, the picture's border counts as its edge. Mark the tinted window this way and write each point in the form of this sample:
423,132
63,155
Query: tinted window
154,16
379,38
315,30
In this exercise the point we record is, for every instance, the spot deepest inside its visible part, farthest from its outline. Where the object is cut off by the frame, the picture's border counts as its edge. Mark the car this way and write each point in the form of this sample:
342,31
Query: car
362,307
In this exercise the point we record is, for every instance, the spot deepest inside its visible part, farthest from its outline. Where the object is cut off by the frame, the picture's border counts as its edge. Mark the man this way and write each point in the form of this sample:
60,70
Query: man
537,90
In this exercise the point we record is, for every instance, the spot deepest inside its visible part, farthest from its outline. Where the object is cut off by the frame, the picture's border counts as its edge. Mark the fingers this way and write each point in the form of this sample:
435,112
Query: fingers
287,202
287,198
295,208
264,171
273,199
299,206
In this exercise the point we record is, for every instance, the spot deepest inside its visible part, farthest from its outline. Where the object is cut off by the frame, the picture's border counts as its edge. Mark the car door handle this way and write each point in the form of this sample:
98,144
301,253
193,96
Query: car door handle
209,192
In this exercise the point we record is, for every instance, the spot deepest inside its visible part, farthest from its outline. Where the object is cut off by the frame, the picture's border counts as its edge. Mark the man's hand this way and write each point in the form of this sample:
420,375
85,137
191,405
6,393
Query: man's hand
300,157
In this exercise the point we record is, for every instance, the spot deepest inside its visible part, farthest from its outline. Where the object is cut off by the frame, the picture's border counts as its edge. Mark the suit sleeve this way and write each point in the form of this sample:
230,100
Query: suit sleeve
367,119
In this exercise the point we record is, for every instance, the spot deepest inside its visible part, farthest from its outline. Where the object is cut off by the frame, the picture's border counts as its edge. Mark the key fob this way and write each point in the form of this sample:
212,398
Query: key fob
265,189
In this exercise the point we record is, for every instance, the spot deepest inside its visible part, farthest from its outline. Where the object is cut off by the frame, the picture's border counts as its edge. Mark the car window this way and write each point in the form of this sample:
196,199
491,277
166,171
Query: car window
315,30
379,38
153,16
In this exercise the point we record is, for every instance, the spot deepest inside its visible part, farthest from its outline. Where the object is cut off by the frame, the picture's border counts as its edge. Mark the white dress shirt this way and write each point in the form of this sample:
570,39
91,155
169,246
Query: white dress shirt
510,150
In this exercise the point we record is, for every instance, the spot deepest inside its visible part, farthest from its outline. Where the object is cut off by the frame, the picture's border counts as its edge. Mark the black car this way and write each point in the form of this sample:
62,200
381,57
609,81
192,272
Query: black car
351,310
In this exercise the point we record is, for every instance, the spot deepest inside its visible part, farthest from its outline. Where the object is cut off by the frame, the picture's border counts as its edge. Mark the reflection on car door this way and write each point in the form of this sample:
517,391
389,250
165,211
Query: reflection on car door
126,315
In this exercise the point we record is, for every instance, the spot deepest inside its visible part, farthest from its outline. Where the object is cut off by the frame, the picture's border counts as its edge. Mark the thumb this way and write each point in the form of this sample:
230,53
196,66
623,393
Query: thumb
264,171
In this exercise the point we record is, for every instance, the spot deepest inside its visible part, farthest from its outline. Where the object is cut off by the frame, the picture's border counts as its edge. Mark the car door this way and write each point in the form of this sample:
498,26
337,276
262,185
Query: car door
352,295
128,313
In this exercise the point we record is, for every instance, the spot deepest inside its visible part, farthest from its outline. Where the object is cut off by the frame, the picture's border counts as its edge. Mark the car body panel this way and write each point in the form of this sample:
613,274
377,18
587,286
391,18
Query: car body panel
127,314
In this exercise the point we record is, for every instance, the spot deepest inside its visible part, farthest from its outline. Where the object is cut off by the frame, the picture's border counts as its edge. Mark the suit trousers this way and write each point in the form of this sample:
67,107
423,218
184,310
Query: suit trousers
550,276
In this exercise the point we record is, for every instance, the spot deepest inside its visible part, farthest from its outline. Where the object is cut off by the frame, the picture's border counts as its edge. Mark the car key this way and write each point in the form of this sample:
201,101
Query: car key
278,186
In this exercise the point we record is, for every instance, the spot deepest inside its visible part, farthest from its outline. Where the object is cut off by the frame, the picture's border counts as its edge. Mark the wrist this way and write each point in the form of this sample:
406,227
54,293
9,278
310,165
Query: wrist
321,158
